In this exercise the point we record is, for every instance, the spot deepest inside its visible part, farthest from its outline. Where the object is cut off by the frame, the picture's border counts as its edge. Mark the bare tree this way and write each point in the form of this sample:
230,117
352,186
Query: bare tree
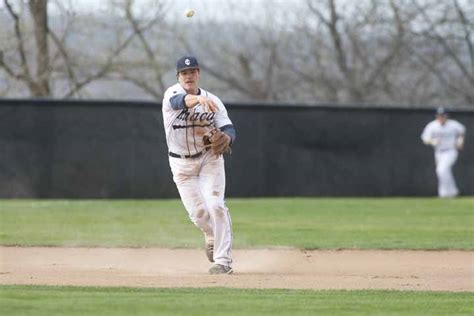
373,51
153,65
244,57
353,57
38,83
449,33
99,63
39,71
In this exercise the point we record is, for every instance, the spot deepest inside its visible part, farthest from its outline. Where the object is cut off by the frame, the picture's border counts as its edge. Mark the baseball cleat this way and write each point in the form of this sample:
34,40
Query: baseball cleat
220,269
210,252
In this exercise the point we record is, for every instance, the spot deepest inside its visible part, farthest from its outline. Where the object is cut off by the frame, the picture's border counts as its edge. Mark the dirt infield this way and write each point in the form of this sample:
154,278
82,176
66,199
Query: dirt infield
264,268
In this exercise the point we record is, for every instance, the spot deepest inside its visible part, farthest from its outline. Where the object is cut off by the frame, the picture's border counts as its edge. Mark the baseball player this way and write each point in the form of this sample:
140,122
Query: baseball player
198,133
447,138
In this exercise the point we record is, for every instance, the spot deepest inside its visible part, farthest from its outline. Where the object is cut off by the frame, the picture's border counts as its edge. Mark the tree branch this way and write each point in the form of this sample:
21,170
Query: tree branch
142,84
25,75
10,71
432,68
70,71
467,27
313,9
139,32
395,49
103,70
443,43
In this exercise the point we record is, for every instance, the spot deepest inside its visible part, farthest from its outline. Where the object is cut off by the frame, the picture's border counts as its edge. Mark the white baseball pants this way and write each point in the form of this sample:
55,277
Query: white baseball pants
445,161
201,185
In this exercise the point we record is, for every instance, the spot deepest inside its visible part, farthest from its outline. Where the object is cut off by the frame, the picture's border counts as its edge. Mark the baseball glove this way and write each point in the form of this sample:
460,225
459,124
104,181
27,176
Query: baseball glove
217,140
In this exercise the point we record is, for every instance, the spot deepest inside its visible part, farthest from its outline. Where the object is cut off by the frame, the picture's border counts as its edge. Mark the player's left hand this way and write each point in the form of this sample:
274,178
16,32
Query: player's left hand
218,141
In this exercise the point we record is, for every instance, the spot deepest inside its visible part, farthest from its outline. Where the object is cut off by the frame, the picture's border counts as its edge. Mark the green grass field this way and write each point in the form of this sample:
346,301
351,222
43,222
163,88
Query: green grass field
25,300
311,223
392,223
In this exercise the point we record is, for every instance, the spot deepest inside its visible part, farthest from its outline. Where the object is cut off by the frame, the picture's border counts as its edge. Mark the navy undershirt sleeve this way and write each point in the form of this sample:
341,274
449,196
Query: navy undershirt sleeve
177,102
229,130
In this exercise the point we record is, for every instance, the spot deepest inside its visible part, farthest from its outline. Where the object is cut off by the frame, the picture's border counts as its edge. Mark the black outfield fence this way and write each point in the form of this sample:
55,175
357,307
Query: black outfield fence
94,149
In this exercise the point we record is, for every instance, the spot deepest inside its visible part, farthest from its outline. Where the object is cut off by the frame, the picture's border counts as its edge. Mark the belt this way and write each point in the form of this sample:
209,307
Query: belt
199,154
444,149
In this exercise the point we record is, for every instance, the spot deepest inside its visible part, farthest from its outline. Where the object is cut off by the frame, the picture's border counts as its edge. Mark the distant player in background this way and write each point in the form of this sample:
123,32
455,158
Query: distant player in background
447,138
198,133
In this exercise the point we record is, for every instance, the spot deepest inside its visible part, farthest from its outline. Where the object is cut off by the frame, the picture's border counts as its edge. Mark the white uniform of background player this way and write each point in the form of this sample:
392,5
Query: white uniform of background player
188,113
447,137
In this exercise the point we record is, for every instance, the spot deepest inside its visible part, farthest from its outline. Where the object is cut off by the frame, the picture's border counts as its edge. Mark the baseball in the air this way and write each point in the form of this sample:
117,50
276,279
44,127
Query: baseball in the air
189,13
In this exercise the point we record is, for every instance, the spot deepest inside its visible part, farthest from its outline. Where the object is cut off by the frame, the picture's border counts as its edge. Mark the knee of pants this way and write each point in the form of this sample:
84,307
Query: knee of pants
199,214
218,209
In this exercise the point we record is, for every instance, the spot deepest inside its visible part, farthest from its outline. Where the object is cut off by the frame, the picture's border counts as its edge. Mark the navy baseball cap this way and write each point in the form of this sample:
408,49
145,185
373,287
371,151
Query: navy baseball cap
186,62
441,111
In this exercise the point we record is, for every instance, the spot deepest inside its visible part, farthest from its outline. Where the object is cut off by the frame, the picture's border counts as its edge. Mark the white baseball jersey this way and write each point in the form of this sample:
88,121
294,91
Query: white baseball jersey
201,179
446,134
185,128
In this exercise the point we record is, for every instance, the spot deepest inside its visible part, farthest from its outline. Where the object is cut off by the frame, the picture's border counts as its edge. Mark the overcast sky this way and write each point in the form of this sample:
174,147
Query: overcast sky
204,9
254,11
